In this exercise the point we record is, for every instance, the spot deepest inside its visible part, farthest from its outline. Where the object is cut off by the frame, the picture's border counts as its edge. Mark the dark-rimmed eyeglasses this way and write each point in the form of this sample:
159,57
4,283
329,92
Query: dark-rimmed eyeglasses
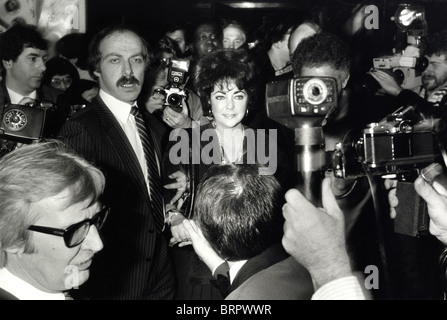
57,82
76,233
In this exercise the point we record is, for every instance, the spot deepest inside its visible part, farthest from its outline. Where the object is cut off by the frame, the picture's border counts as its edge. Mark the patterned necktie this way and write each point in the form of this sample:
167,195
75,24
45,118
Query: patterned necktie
155,186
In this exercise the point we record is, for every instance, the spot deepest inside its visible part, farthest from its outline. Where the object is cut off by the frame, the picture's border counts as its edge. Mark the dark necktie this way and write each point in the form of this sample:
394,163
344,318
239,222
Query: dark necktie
155,186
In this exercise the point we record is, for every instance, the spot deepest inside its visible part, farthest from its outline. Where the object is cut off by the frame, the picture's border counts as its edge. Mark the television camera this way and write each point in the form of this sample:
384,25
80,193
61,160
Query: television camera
407,63
397,147
177,77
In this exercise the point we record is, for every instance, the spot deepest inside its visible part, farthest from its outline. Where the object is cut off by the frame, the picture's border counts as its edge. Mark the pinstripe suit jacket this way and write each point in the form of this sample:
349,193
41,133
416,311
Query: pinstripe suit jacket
134,263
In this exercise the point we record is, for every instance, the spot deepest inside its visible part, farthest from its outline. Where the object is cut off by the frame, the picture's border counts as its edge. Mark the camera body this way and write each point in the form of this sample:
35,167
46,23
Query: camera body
305,96
400,143
177,77
407,70
398,147
23,123
302,104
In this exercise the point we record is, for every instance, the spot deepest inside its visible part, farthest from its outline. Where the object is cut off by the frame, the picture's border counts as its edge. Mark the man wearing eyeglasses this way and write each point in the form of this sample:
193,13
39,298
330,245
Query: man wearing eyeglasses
50,216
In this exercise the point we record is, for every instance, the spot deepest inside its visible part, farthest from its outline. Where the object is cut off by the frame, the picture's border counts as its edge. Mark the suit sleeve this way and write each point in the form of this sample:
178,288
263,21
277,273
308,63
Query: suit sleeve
76,136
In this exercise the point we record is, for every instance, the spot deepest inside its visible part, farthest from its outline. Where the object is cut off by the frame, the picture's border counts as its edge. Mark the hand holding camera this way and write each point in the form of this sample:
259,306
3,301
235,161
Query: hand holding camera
174,94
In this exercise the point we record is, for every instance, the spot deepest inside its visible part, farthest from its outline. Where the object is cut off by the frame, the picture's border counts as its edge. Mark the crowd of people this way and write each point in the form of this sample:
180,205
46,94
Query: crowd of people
125,196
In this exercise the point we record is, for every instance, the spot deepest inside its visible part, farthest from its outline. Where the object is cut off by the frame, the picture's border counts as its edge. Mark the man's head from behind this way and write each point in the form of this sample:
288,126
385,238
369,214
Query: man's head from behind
239,211
323,55
435,75
23,53
118,59
302,31
49,200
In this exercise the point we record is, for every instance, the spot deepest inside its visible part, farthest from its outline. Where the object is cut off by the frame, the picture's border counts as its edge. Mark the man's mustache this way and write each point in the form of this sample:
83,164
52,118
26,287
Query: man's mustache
127,80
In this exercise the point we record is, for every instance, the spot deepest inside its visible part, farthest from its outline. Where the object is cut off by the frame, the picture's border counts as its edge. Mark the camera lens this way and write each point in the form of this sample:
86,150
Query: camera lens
316,91
174,100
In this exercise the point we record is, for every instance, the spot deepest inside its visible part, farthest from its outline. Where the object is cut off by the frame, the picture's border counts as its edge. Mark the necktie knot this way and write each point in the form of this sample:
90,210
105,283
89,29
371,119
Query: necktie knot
26,100
135,111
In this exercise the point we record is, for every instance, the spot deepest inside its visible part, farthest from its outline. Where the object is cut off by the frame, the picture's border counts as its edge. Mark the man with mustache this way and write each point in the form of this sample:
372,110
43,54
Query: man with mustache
134,264
24,53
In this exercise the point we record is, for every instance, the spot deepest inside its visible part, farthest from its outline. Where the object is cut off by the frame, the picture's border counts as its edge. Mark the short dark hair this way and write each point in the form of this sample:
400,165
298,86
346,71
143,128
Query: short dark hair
94,56
239,210
436,44
59,66
272,30
19,37
74,46
322,49
223,65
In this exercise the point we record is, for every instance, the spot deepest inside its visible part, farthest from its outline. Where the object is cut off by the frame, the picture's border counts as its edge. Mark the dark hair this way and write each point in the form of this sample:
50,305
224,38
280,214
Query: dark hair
17,38
436,44
272,30
183,27
94,56
226,65
74,46
239,210
322,49
60,66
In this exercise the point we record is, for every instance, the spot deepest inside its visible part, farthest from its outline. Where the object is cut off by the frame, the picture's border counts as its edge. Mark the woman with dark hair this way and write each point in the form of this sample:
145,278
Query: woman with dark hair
60,74
226,82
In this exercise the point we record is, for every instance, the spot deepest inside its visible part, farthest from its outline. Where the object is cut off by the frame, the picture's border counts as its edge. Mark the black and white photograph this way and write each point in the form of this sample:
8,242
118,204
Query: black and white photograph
198,152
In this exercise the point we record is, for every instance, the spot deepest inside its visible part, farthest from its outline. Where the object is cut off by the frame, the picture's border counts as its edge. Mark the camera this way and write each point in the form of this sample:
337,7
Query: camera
307,96
177,78
406,70
23,123
302,104
398,147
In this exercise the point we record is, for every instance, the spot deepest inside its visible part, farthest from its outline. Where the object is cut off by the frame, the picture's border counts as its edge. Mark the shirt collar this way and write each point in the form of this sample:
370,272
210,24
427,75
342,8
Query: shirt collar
17,97
120,109
236,266
22,290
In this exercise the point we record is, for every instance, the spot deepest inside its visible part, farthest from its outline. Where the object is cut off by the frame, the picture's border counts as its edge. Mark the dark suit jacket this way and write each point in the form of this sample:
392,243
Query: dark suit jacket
5,295
134,263
272,275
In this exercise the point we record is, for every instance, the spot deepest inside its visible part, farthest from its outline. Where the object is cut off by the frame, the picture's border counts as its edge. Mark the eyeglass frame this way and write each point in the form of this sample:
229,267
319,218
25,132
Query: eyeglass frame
68,233
67,80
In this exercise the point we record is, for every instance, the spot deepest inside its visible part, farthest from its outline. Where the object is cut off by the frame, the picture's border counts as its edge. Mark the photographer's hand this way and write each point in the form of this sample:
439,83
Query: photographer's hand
393,201
386,81
432,187
181,184
201,246
177,120
322,251
155,102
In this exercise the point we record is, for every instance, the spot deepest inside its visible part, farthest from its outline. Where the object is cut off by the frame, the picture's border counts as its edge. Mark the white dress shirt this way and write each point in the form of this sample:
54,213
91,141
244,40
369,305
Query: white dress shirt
234,269
347,288
121,111
22,290
17,97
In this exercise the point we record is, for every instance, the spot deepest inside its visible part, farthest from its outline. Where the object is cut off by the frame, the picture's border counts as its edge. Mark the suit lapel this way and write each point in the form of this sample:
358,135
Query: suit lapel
119,141
156,130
